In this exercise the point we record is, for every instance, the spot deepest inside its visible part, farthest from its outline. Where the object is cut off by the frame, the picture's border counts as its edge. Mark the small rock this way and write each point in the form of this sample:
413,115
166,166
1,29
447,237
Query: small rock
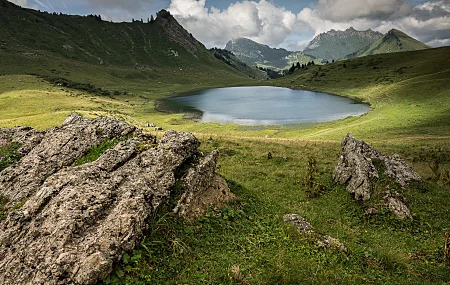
398,206
371,212
299,222
329,242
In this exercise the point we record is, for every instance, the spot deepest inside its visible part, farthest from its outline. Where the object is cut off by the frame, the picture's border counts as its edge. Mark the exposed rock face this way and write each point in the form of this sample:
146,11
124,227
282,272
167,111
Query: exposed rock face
176,33
397,205
50,151
204,187
25,135
77,223
360,164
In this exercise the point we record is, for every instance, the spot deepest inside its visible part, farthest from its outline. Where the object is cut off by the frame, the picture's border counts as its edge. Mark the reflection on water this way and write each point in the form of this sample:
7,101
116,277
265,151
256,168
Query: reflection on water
264,106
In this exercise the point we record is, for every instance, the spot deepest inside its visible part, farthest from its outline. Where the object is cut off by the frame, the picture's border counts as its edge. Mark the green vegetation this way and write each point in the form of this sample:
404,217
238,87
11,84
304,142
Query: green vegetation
247,242
393,41
9,153
96,151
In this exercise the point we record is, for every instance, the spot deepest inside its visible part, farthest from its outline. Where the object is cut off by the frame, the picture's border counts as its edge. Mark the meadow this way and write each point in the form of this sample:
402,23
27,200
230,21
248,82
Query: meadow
247,242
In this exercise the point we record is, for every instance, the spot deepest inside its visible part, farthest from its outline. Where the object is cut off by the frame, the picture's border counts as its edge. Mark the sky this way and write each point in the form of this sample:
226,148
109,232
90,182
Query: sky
289,24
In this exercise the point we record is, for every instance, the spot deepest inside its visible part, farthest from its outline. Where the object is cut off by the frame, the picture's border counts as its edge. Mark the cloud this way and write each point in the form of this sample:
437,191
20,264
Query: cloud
23,3
260,21
428,22
348,10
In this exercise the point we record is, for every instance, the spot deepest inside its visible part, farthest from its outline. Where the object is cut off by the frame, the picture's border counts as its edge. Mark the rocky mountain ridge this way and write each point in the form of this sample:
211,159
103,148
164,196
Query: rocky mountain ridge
334,45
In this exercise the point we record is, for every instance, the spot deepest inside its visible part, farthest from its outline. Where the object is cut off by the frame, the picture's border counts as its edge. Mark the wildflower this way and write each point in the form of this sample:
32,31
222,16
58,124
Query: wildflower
2,158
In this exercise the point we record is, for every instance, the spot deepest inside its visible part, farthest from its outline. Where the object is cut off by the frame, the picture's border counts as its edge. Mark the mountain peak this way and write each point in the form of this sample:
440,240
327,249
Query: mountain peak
335,45
394,41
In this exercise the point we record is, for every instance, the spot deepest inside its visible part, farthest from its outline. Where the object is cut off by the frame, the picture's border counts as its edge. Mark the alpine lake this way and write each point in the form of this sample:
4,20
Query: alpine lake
262,105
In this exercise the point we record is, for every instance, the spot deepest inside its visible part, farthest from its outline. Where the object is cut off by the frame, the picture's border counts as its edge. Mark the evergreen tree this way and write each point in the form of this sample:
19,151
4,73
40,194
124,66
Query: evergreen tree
298,65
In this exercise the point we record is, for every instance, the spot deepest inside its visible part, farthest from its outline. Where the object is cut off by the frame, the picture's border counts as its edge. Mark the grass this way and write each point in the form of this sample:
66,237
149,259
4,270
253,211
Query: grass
247,242
9,153
96,151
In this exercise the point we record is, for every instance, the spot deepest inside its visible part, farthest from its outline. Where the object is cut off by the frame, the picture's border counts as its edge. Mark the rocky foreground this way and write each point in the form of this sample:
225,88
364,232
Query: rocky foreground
77,221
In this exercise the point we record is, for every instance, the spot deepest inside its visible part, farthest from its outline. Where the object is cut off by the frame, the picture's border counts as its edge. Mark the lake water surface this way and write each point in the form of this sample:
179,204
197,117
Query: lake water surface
264,106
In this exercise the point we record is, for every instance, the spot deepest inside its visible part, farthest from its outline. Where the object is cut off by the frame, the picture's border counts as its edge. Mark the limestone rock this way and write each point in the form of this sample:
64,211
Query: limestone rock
397,205
329,242
359,163
299,222
78,222
51,151
25,135
204,187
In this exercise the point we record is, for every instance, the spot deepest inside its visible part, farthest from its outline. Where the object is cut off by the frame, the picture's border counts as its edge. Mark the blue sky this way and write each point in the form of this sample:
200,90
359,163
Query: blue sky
279,23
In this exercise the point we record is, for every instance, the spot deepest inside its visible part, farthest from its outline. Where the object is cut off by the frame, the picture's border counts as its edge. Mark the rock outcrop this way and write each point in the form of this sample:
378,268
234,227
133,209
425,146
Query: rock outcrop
77,221
360,165
321,240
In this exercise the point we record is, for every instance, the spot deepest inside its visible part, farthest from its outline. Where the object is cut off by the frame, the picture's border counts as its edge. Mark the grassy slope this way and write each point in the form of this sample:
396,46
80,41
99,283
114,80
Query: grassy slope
394,41
409,94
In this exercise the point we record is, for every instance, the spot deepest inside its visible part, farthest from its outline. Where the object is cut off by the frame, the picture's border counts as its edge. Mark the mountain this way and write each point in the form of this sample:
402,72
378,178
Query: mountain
334,45
31,38
394,41
229,58
253,53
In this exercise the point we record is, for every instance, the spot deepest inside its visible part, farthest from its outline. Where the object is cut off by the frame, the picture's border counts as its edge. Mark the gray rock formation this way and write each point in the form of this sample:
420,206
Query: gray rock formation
78,222
359,165
48,152
204,188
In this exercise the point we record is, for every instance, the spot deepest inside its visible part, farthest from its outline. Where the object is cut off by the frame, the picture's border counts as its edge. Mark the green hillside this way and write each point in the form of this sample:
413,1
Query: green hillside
394,41
35,40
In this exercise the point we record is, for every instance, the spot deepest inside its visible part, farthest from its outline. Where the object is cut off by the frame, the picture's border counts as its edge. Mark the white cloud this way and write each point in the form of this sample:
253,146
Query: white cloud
428,22
348,10
260,21
276,26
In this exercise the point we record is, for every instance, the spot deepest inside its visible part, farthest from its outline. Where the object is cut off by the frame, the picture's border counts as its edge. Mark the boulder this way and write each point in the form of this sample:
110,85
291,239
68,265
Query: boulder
77,221
359,164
